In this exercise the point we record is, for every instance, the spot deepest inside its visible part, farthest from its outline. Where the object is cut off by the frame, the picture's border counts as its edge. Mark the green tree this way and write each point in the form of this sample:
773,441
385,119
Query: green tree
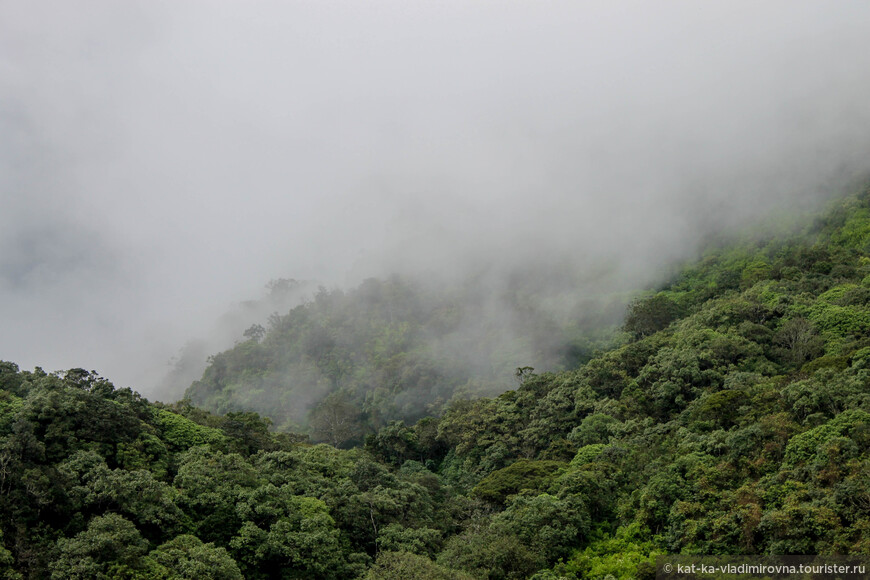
301,541
799,339
110,547
7,561
185,557
211,483
490,554
548,525
519,476
647,316
336,420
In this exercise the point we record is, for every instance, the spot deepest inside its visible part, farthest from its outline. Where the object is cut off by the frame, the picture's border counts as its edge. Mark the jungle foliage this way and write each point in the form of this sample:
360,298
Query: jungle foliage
733,418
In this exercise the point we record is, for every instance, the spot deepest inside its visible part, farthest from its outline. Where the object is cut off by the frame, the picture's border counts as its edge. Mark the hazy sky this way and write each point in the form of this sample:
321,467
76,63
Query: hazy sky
160,161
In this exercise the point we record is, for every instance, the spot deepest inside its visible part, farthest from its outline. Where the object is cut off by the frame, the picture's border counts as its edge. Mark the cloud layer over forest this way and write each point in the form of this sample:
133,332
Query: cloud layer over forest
160,161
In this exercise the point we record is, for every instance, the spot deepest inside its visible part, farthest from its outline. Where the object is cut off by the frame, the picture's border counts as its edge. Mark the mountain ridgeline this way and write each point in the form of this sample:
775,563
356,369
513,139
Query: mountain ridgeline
395,349
731,415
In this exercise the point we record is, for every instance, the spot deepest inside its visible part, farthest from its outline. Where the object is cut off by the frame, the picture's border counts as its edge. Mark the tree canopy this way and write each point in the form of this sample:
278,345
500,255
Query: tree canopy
732,416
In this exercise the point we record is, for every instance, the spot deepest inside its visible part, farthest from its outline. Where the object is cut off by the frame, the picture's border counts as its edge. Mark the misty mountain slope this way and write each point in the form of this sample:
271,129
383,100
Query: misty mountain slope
772,313
395,349
190,361
734,419
400,348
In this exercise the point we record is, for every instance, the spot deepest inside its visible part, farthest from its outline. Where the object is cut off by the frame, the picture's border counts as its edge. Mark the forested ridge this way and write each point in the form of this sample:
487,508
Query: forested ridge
398,349
731,415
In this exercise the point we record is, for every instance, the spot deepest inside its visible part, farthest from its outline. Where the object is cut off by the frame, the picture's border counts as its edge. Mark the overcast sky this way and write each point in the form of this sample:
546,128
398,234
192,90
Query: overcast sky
160,161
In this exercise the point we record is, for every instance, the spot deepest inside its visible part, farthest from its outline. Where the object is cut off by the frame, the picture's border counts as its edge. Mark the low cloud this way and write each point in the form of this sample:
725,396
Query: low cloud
161,161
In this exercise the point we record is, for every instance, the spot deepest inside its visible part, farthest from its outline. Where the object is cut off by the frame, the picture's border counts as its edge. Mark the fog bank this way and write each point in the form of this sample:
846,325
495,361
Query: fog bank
162,161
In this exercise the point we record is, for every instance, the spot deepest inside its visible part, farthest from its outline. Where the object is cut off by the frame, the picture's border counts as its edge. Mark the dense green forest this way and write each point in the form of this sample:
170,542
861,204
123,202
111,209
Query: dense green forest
731,415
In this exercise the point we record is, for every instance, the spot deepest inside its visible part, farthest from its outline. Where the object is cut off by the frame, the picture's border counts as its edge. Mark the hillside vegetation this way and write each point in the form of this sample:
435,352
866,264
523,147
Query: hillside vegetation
395,350
733,418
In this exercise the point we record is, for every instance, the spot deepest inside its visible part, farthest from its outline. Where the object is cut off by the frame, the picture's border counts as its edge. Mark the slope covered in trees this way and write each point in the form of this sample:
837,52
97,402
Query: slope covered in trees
734,417
735,420
343,363
96,482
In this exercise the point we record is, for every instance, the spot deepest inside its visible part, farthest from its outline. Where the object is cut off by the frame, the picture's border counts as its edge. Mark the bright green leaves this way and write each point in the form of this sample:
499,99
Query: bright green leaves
182,433
627,555
855,231
854,424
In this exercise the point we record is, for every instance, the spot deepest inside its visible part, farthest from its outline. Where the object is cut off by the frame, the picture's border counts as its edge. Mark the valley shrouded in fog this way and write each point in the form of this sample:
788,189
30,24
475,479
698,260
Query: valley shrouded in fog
432,290
160,162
